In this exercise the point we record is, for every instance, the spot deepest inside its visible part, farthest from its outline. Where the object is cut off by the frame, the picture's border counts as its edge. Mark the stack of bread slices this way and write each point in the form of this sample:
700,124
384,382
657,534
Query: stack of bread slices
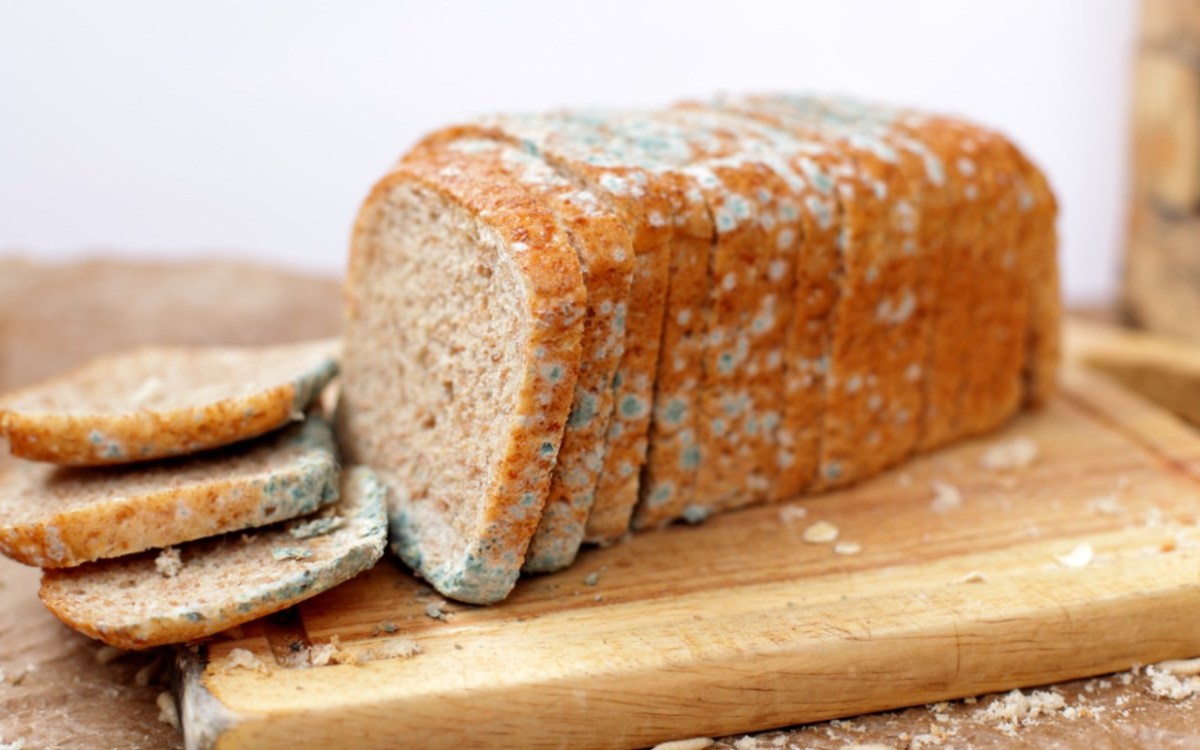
567,326
172,493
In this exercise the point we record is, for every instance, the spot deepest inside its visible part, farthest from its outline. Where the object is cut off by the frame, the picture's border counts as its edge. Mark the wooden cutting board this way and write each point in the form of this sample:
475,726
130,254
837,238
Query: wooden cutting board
739,624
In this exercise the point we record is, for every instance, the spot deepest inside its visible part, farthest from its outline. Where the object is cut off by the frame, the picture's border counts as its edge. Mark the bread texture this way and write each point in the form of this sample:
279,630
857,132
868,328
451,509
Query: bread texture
655,208
158,402
465,311
606,260
54,517
136,602
821,288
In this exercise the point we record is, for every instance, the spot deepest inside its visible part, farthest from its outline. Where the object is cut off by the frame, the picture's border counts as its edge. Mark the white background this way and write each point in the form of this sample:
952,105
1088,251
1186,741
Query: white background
254,128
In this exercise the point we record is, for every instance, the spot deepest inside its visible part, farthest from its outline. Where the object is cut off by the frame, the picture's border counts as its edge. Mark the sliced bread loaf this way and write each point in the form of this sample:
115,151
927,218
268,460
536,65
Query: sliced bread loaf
165,401
465,310
56,517
211,585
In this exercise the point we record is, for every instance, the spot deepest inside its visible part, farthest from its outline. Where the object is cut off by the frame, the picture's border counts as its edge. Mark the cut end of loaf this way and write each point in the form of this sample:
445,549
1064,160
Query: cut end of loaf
456,364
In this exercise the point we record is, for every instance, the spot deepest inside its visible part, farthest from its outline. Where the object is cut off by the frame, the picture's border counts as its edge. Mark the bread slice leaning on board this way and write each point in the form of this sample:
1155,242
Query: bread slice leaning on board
820,288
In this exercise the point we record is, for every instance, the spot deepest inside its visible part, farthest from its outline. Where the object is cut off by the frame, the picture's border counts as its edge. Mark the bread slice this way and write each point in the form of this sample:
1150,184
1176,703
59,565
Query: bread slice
157,402
655,209
150,599
55,517
465,311
606,258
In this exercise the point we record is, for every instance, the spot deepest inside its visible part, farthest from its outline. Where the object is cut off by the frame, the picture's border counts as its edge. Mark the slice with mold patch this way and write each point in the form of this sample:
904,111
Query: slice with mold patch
55,517
465,313
157,402
223,581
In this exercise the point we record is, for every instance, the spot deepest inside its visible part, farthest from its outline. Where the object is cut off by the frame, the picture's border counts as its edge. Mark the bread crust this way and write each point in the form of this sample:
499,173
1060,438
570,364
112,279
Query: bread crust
119,511
108,434
221,582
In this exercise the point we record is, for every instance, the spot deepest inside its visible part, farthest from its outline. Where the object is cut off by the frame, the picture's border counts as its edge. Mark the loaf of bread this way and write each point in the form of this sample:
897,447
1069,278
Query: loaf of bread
707,306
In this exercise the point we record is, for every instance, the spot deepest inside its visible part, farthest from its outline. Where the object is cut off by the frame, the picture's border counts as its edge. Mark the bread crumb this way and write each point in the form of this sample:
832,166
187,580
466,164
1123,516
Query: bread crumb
1171,687
315,527
168,563
821,532
330,653
946,498
1013,454
167,712
433,610
847,548
695,743
1017,709
591,579
396,648
108,654
290,553
975,576
387,626
792,512
1076,558
240,658
1180,667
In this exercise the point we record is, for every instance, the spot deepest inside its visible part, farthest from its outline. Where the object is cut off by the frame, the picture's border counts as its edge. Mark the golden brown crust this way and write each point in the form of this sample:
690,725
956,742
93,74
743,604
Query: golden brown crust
78,434
55,517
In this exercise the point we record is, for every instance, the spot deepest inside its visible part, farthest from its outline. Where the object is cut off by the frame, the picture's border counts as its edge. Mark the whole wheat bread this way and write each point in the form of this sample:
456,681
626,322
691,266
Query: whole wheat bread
157,402
207,586
465,311
55,517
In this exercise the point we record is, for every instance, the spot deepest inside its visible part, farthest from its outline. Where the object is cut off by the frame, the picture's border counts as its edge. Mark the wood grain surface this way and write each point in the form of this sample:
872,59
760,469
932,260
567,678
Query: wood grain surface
739,624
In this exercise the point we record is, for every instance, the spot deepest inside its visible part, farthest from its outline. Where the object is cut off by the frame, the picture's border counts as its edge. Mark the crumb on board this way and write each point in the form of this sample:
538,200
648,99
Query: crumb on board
975,576
694,743
1174,680
240,658
167,712
330,653
1076,558
433,610
847,548
315,527
821,532
792,512
946,498
387,626
1017,453
591,579
1015,708
168,563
